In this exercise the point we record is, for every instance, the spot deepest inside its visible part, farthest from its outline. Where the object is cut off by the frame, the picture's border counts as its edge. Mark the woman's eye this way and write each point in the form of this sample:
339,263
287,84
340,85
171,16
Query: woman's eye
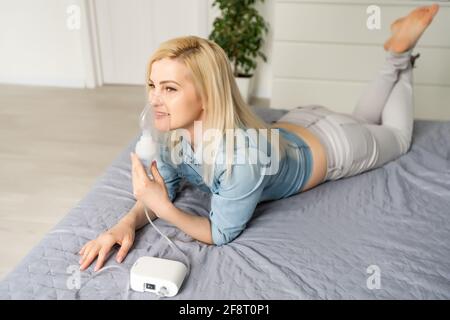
151,85
170,89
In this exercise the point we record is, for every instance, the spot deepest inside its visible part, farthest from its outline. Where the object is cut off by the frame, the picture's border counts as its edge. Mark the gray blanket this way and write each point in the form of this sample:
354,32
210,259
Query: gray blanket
379,235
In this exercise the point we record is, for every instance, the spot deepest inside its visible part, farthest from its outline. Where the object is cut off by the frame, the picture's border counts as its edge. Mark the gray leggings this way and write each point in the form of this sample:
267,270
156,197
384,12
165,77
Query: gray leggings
378,131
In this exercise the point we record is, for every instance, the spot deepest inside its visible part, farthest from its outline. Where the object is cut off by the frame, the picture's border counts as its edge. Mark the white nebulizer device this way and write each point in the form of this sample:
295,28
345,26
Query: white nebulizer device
163,277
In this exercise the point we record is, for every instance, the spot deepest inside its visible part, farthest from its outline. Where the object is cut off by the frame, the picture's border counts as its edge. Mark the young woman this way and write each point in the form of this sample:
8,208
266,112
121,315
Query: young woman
191,82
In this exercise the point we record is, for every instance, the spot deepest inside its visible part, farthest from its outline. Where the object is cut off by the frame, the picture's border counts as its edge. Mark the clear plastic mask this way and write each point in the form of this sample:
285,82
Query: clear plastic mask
154,122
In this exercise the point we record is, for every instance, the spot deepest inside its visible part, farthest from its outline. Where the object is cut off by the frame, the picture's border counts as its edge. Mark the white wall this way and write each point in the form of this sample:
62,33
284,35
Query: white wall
131,30
263,76
36,47
323,53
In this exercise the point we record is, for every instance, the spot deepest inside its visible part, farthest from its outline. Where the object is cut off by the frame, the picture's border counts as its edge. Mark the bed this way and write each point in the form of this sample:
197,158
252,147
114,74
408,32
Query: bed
384,234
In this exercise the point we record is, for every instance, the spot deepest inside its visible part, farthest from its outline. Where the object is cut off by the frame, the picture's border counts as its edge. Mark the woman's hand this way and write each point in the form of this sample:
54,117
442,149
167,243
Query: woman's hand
122,234
151,191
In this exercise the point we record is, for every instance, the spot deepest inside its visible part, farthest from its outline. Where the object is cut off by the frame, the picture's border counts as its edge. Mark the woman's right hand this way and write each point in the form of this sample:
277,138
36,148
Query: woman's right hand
122,233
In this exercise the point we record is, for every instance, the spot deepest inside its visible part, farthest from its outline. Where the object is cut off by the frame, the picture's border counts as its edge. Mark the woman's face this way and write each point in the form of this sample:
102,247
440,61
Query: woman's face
173,96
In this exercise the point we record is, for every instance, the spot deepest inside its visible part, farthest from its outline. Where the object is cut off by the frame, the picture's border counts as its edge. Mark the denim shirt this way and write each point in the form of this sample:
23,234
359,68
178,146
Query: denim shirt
233,201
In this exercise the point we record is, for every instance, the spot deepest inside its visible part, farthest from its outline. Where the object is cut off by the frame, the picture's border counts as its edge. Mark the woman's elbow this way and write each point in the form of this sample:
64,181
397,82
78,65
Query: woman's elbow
220,239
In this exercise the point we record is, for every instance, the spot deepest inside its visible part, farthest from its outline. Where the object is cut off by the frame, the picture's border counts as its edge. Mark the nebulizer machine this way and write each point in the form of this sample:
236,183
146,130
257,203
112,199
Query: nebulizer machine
163,277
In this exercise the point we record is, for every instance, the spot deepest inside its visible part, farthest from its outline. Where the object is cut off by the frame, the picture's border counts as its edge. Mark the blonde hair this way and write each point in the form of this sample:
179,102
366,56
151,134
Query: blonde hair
214,81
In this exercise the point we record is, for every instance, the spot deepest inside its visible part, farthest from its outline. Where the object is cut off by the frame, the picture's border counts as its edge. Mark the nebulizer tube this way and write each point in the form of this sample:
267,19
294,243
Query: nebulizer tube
155,125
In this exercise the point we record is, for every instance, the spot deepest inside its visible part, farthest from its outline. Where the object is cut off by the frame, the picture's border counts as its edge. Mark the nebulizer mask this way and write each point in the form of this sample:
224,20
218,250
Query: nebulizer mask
155,126
161,276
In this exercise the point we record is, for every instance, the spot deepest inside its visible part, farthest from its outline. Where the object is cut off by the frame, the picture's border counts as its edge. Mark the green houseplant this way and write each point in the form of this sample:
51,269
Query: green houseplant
240,30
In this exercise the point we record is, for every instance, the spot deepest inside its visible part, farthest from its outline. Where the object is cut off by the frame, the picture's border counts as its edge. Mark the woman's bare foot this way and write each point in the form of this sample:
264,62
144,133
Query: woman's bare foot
396,25
406,31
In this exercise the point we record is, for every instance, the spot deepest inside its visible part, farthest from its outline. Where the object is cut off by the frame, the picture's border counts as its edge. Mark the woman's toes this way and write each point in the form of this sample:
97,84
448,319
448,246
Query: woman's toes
434,9
429,15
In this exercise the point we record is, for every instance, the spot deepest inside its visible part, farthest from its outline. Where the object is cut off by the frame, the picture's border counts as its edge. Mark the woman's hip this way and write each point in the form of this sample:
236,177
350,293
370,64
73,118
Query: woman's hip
350,146
318,152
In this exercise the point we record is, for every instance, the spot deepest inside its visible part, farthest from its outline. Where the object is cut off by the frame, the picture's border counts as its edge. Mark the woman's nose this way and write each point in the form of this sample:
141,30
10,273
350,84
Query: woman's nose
155,99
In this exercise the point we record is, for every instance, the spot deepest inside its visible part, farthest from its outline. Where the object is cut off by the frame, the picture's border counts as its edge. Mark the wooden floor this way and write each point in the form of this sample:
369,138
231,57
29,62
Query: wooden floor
54,143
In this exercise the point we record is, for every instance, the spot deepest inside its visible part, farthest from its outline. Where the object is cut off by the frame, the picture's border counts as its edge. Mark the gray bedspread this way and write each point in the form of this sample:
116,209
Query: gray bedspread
384,234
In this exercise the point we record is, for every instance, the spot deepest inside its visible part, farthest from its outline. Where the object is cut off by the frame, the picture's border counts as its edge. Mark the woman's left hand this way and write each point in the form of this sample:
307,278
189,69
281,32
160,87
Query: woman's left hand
152,192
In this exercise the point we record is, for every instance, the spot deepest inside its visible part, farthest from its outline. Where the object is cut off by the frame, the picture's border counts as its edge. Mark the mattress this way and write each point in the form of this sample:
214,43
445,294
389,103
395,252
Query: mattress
383,234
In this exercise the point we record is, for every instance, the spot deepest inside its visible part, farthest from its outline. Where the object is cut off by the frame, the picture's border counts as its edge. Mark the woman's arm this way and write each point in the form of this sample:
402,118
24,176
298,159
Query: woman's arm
123,233
136,216
197,227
